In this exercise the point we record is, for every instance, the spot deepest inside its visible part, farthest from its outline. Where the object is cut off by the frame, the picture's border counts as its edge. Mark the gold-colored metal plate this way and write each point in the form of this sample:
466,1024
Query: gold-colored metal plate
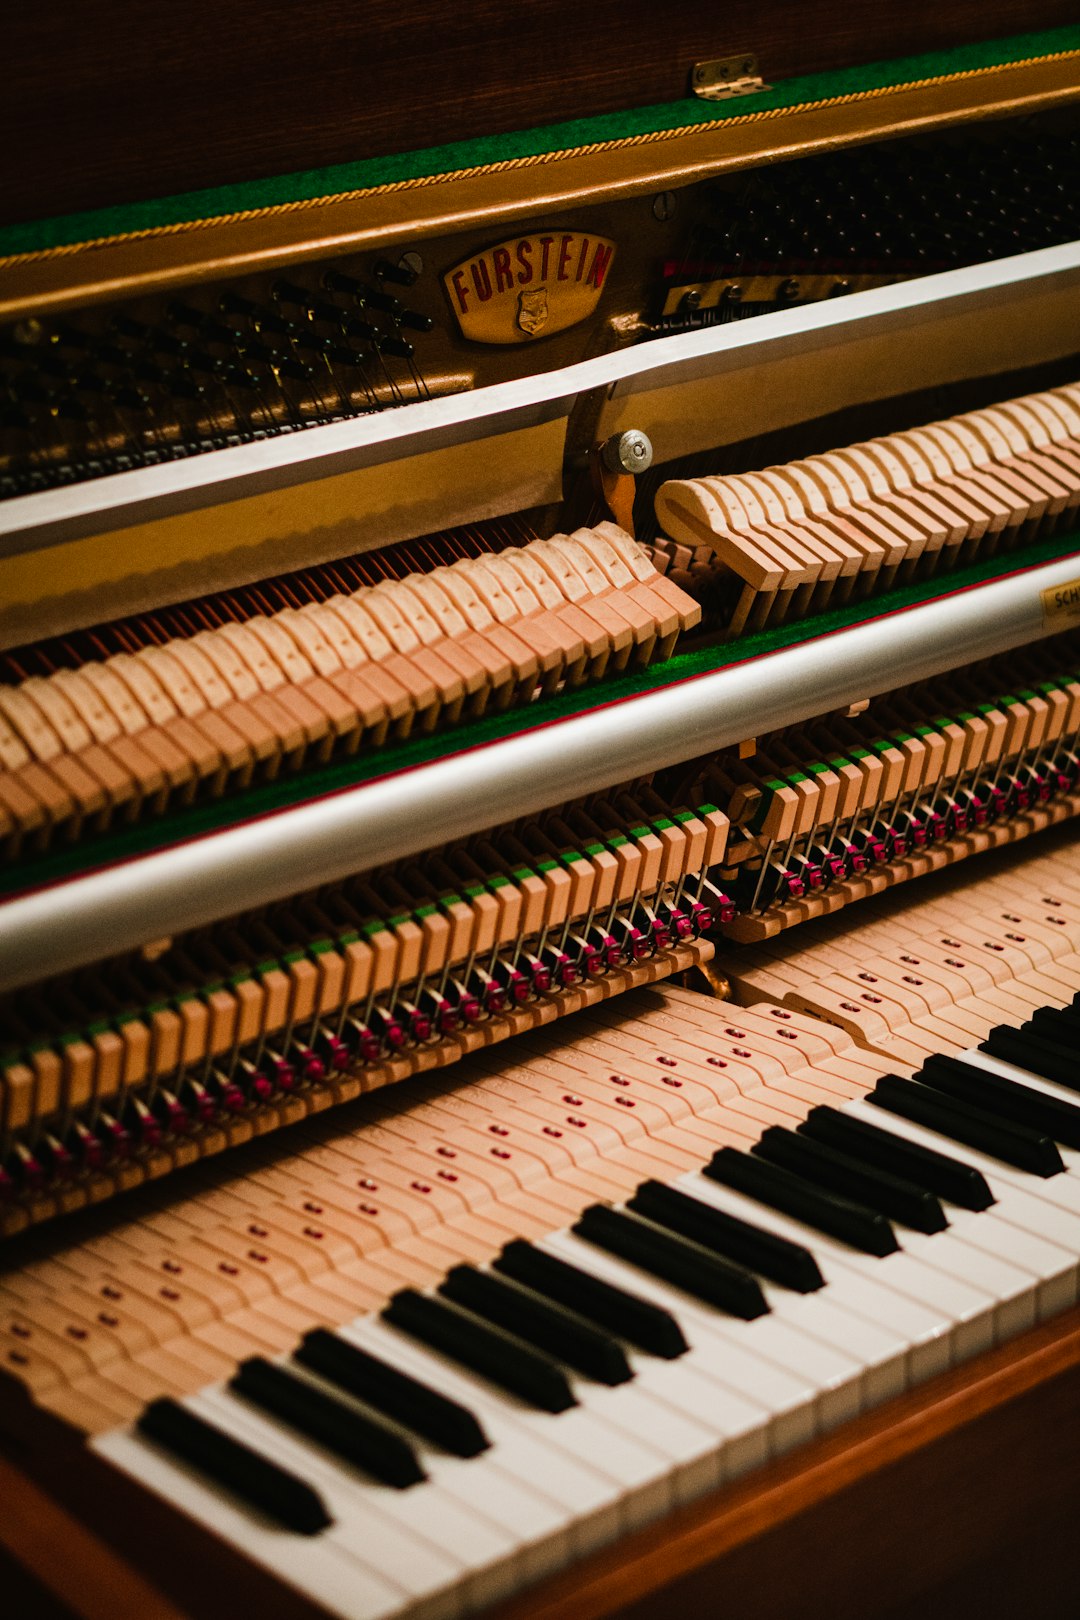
1061,605
529,286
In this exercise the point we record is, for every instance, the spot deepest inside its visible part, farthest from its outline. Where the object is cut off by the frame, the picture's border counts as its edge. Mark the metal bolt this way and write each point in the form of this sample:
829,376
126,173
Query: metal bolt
630,452
29,331
690,300
733,293
838,288
412,262
788,289
664,205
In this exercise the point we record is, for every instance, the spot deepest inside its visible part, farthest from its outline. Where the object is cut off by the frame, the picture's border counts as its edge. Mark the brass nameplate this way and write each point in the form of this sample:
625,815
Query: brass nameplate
1061,604
529,286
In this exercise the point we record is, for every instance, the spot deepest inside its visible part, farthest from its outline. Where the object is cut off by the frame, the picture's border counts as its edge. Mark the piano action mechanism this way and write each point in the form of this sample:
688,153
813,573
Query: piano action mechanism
539,747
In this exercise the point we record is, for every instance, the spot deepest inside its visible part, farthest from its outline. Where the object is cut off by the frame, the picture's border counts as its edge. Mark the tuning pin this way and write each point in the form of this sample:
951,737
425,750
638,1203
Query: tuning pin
401,274
286,366
341,356
165,343
279,326
108,354
234,303
355,327
414,321
338,281
149,371
31,390
393,345
380,301
287,292
128,326
182,314
70,409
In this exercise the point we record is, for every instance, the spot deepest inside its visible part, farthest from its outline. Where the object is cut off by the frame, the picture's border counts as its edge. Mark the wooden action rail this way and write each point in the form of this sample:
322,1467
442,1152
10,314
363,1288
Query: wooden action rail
194,1275
136,732
798,538
118,1073
834,810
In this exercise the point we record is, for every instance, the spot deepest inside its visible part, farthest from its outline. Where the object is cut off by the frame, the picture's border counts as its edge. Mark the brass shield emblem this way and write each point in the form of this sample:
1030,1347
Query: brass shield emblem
530,286
533,311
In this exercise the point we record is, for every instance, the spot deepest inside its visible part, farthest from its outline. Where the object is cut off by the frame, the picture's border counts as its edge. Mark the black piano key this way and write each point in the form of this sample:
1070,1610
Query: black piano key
395,1393
837,1172
949,1178
637,1320
547,1327
254,1478
360,1440
1000,1095
675,1259
1029,1049
852,1223
489,1351
1061,1024
1024,1149
774,1257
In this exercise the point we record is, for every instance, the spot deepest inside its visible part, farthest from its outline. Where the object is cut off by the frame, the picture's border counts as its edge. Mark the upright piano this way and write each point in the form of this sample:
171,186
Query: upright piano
539,748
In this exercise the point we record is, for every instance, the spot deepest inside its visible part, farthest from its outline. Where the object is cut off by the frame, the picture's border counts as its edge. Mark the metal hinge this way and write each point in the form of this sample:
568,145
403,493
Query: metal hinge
727,76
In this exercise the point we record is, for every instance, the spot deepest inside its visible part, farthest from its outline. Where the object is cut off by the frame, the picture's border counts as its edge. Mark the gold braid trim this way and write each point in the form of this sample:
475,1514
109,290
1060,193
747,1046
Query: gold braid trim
504,165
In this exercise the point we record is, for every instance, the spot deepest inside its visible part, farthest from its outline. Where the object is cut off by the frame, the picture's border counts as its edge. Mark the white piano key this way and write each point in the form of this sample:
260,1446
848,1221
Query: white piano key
1013,1071
990,1265
401,1557
927,1330
824,1374
1024,1228
880,1351
969,1306
1062,1190
560,1462
786,1400
319,1566
443,1511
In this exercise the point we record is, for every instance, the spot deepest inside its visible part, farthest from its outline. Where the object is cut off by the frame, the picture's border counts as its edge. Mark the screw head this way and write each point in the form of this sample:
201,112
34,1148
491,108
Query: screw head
29,331
690,300
630,452
664,205
733,293
413,263
788,289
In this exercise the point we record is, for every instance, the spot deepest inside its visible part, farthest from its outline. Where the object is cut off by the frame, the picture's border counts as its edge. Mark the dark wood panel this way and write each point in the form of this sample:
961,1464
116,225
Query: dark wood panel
110,104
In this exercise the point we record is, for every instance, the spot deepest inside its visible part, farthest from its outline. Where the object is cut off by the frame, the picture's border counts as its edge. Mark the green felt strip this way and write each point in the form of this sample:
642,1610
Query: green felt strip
162,831
313,185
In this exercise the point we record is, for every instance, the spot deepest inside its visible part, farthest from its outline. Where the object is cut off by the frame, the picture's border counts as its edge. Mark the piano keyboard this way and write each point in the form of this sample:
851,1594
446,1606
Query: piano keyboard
809,535
759,1255
163,725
